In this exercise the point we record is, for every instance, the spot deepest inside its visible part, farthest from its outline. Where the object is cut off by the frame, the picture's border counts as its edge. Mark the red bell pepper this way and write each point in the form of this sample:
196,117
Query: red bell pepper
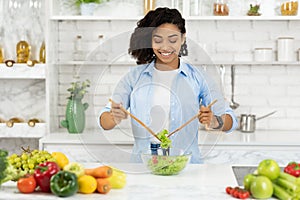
293,169
43,174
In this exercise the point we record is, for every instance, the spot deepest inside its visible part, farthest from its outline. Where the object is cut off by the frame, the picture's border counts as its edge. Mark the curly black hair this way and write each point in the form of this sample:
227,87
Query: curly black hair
140,42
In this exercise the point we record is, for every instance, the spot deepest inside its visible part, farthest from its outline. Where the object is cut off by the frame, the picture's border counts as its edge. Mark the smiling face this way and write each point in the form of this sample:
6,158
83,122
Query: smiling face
166,44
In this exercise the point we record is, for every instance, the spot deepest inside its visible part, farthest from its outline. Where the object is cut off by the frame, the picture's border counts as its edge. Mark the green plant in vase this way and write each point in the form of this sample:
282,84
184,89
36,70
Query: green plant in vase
87,7
75,111
78,2
254,10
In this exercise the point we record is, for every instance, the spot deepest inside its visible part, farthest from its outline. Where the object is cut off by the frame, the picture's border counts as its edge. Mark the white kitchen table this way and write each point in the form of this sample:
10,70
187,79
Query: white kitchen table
207,182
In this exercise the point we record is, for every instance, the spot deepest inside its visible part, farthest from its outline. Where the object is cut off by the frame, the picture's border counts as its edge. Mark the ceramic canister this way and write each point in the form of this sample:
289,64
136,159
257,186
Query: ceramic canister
263,54
285,49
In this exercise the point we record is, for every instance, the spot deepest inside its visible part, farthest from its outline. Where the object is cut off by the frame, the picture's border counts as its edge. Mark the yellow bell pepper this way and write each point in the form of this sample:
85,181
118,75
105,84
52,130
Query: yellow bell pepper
76,168
118,179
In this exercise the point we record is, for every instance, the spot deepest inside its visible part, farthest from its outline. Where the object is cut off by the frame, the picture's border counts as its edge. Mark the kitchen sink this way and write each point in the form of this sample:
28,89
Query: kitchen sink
241,171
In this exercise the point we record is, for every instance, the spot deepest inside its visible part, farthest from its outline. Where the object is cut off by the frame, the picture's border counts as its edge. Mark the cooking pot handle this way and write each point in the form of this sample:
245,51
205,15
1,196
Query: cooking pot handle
267,115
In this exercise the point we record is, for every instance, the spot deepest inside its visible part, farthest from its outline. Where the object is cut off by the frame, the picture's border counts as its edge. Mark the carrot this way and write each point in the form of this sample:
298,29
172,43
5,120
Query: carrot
99,172
103,185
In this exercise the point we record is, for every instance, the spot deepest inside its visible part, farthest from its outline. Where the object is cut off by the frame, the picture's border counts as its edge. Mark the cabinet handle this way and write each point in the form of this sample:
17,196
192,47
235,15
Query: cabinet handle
10,123
33,121
9,63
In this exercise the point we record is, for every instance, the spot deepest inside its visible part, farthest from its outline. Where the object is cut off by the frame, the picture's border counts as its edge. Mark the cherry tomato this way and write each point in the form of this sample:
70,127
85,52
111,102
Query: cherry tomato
244,195
236,193
232,191
228,189
26,184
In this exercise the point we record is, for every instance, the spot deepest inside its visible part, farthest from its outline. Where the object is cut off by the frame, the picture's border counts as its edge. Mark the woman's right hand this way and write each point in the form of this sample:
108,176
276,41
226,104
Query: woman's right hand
117,113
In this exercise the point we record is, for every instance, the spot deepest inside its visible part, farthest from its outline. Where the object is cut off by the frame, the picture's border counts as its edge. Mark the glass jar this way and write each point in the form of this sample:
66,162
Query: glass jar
23,49
1,55
42,53
148,5
288,8
220,8
78,51
195,7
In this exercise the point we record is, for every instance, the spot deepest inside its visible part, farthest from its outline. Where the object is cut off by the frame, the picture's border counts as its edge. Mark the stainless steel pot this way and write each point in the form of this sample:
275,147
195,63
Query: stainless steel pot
248,122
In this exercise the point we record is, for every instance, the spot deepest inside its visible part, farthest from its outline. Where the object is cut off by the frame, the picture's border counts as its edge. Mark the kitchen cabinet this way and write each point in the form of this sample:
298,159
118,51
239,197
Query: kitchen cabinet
23,90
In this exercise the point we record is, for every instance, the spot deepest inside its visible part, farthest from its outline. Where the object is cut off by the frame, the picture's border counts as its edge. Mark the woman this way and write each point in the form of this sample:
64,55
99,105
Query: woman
163,91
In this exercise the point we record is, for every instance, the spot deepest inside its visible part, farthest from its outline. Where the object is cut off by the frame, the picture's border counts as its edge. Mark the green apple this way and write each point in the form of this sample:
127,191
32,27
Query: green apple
248,180
261,187
269,168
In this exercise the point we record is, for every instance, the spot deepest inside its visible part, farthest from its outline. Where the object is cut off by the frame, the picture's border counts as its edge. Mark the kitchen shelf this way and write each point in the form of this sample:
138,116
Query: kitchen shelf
189,18
22,71
251,18
272,63
96,18
22,130
94,63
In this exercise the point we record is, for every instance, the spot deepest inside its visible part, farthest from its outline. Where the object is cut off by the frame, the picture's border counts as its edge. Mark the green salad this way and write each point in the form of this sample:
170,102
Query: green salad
167,165
163,137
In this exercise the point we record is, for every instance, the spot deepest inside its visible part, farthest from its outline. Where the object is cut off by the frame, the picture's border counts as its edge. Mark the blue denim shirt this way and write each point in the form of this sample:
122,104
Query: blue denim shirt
191,88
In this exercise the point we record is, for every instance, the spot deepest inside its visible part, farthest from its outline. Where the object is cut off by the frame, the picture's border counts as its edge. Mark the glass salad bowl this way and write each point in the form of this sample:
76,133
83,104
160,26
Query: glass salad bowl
162,162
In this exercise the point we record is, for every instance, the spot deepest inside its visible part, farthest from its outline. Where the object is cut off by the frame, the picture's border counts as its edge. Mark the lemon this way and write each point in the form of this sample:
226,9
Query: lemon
87,184
61,159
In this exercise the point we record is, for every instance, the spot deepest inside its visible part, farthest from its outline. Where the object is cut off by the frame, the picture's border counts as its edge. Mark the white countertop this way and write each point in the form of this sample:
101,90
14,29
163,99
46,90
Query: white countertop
207,182
236,138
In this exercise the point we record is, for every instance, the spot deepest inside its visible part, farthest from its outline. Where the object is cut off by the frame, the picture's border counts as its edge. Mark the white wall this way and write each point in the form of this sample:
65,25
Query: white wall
259,88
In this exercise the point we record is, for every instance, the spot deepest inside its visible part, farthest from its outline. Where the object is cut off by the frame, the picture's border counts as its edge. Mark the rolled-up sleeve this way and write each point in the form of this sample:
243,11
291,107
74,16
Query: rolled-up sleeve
105,109
234,120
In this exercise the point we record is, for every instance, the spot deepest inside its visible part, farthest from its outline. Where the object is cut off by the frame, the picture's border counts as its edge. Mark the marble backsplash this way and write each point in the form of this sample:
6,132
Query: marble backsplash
24,99
13,145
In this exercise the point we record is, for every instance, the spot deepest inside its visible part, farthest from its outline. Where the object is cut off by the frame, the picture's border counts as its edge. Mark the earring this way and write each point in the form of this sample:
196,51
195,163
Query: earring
183,50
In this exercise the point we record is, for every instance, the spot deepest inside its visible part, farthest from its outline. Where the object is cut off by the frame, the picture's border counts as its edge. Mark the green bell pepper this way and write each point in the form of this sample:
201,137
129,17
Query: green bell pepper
64,184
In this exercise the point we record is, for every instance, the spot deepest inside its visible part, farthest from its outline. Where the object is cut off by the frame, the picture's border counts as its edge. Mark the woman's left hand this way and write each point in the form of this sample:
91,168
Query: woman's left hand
205,116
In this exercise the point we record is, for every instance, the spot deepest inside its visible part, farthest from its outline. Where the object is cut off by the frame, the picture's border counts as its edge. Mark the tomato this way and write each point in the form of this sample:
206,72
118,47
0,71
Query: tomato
244,195
269,168
232,191
228,189
26,184
293,168
237,192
